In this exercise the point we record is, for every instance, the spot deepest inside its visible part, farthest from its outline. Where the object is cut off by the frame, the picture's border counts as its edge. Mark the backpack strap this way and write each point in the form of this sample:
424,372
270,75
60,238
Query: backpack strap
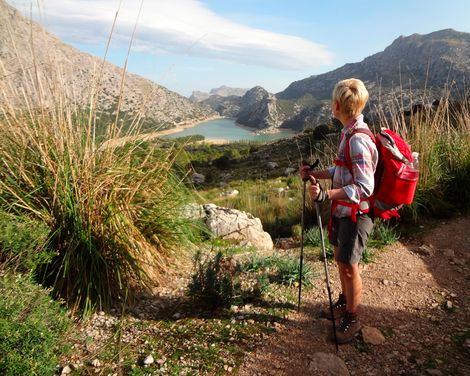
347,151
355,208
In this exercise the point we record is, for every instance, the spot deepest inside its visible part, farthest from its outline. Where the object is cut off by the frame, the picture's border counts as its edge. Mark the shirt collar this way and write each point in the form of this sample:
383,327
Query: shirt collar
354,123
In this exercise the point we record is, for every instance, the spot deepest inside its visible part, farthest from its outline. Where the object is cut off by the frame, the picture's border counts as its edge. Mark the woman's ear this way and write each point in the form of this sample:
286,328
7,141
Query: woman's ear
336,105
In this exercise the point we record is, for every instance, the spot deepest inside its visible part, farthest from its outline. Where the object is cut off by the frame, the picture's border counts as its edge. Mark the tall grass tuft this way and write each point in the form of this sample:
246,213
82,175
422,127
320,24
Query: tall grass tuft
112,208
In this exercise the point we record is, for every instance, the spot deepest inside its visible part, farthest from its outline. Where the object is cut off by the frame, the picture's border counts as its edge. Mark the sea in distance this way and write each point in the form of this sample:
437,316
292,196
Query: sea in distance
229,131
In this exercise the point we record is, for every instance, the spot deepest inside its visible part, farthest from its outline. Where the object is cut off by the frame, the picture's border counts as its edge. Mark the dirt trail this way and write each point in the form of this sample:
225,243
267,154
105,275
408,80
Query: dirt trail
416,296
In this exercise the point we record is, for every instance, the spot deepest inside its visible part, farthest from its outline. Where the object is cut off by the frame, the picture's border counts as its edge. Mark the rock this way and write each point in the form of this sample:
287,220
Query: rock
177,315
259,109
149,360
233,224
449,305
386,282
286,243
198,178
467,343
161,361
434,372
323,364
289,171
272,165
425,250
66,370
372,335
231,193
96,363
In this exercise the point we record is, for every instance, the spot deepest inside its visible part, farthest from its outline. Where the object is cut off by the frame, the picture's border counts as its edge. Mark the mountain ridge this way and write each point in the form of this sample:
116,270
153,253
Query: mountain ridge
158,107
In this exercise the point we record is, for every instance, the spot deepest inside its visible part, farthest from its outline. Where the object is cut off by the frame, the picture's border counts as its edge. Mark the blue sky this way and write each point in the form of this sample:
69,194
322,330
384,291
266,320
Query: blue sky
189,45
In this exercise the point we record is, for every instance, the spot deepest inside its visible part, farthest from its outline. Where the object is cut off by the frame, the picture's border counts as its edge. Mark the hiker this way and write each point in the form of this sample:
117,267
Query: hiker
352,184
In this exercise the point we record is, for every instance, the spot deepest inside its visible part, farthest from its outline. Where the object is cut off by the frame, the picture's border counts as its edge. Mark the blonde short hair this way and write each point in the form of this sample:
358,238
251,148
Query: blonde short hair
351,95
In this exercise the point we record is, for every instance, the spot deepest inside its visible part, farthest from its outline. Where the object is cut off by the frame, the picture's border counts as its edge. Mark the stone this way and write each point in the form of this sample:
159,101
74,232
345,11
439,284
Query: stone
233,224
272,165
287,243
467,343
149,360
177,315
198,178
449,304
325,364
289,171
372,335
434,372
231,193
425,250
96,363
66,370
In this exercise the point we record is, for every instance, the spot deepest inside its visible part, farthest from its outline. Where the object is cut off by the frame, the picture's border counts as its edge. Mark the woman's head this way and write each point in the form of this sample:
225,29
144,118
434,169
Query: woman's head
349,97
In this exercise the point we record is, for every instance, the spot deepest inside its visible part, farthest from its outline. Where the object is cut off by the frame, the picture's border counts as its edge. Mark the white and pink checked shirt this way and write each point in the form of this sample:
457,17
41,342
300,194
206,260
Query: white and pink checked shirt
364,158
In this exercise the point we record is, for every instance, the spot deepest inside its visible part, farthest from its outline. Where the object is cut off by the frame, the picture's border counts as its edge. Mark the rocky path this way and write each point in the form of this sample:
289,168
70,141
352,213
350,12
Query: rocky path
415,294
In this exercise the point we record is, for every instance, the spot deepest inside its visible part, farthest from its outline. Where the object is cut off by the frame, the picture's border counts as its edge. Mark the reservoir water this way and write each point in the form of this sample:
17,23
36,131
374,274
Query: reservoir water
228,130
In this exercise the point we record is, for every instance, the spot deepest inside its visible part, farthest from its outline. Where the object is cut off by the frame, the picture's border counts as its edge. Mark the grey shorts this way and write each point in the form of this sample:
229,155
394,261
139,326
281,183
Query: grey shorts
350,238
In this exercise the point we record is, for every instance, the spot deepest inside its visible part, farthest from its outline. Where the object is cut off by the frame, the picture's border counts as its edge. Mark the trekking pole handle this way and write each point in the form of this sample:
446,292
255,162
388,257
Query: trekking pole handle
311,168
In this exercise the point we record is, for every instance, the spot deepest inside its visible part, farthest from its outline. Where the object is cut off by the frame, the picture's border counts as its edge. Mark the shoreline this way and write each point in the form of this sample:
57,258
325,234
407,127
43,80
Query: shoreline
185,125
191,124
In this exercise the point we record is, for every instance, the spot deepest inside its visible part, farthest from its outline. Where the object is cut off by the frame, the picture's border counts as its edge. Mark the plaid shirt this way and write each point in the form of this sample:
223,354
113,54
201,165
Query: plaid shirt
364,158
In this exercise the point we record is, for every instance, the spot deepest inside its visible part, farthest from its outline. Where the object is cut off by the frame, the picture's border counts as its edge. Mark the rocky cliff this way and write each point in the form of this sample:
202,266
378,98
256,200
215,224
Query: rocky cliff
258,109
27,50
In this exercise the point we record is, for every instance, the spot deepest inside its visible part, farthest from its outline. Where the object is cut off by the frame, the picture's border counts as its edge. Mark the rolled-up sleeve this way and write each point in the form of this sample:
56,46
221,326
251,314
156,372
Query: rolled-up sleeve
364,158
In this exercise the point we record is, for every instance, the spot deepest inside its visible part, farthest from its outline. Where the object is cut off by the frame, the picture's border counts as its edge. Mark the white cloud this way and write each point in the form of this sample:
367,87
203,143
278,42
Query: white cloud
185,27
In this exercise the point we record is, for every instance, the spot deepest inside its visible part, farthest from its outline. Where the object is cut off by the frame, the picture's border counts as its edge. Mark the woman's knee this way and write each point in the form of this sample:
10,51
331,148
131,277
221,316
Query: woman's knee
349,271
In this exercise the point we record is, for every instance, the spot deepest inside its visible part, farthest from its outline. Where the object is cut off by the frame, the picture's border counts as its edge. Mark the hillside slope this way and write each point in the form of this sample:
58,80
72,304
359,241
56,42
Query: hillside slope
27,49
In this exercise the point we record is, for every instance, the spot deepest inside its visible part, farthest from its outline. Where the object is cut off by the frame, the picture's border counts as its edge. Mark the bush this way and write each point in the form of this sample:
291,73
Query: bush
313,238
283,270
214,280
112,208
22,243
384,232
32,329
288,269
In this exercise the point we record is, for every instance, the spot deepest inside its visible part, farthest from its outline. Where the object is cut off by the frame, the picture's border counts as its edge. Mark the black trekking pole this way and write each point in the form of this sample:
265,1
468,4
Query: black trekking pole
325,261
302,224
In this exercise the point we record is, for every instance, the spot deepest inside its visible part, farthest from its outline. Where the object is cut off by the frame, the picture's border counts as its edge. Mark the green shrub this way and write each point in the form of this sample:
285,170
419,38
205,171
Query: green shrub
22,243
367,255
257,263
288,269
33,329
283,270
313,238
112,206
214,281
384,233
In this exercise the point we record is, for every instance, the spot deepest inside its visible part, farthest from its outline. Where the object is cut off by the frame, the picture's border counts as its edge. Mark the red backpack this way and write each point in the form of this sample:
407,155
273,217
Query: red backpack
396,176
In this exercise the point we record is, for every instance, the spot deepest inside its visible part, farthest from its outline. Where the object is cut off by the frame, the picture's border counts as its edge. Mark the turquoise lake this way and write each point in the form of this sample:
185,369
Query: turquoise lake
227,129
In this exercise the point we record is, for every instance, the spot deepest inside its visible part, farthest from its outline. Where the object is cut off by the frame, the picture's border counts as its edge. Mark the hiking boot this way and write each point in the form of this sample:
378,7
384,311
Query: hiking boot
339,308
348,327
